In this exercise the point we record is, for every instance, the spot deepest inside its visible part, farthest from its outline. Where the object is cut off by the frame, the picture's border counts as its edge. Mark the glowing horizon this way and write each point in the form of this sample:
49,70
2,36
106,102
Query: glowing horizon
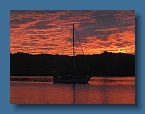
50,32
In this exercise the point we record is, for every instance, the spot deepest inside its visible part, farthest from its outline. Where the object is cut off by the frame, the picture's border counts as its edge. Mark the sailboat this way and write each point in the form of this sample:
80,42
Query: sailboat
70,77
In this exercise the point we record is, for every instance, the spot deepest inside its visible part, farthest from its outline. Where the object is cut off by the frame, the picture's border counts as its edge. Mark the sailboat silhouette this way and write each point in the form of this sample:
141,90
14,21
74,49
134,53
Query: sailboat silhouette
71,77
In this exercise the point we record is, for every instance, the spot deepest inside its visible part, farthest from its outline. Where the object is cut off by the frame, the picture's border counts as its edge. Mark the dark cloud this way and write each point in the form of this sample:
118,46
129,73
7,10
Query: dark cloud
107,19
53,45
25,43
122,44
42,25
15,26
15,46
22,21
42,37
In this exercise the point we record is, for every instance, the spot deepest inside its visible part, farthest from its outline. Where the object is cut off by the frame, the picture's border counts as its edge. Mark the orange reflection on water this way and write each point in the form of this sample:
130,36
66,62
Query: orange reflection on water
100,90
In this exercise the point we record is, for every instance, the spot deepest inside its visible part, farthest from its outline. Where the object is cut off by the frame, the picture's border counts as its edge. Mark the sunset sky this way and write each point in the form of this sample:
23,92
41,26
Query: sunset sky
50,31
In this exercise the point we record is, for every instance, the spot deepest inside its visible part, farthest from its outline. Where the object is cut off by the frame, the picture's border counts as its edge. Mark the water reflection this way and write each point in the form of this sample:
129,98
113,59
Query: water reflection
98,91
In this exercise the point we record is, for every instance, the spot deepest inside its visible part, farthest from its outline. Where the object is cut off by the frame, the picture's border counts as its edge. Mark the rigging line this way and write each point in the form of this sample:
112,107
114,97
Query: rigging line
83,51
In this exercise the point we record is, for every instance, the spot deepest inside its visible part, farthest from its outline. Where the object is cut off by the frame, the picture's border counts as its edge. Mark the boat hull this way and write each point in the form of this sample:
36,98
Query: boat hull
71,80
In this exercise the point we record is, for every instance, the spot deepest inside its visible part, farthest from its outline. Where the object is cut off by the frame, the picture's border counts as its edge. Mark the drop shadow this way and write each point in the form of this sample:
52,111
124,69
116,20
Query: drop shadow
137,59
76,107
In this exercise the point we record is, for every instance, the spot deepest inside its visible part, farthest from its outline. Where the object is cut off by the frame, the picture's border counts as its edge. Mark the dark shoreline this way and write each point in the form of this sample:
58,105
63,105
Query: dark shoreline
29,79
105,64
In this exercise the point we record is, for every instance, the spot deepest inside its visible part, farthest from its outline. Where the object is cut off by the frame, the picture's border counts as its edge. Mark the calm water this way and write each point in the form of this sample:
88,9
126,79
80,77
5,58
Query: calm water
100,90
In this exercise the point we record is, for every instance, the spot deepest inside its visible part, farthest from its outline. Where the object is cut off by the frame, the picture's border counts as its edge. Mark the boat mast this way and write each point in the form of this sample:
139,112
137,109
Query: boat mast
74,65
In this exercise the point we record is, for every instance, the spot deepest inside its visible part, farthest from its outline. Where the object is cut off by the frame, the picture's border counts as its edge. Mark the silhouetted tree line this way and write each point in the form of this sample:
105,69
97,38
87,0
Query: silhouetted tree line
105,64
